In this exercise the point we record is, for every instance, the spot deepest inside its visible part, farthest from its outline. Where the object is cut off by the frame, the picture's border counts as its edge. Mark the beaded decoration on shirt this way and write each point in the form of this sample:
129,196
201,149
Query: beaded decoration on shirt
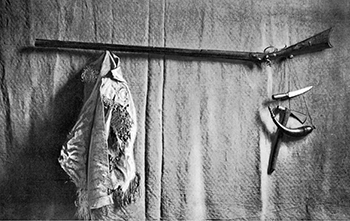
89,74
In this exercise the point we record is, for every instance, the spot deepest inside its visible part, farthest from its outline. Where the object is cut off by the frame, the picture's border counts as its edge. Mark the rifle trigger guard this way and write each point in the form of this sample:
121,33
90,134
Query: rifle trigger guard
273,47
269,53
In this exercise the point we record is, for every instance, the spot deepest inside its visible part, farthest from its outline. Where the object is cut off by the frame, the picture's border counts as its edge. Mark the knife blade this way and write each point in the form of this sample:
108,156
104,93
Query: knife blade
290,94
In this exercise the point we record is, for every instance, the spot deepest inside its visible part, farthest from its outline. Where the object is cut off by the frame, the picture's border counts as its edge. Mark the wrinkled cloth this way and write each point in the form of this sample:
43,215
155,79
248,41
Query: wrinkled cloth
98,154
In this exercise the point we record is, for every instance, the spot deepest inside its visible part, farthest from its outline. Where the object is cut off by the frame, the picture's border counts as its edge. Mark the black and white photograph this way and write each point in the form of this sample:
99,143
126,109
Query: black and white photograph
191,110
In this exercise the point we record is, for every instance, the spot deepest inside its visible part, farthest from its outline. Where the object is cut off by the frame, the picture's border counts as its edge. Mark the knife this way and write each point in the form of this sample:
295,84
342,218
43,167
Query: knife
290,94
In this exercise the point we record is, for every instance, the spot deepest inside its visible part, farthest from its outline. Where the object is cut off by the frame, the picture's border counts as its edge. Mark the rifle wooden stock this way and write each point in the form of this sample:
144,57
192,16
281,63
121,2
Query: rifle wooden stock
317,42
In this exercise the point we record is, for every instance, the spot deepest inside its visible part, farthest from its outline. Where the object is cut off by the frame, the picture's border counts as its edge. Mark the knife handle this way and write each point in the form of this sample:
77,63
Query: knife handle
282,96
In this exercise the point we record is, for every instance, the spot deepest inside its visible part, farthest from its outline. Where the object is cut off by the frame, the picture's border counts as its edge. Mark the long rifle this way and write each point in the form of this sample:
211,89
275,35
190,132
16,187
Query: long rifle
315,43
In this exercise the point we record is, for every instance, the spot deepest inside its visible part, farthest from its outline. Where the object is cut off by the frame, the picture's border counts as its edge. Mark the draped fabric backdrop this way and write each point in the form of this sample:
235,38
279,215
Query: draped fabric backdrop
204,134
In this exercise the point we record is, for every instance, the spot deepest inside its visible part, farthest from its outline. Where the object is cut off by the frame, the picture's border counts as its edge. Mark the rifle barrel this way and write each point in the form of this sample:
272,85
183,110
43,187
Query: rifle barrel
201,53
